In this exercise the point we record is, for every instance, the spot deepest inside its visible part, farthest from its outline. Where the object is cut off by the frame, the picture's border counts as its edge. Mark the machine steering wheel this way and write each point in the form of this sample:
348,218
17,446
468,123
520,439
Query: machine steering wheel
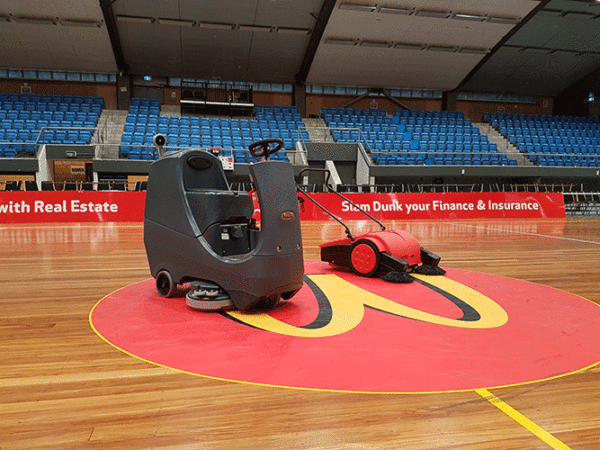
263,149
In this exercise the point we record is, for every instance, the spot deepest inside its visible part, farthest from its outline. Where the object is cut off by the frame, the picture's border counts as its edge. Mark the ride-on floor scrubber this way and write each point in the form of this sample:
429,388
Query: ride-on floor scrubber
197,230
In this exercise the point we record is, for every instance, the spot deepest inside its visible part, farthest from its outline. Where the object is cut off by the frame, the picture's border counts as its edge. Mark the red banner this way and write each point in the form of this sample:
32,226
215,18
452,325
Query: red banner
116,206
72,206
454,205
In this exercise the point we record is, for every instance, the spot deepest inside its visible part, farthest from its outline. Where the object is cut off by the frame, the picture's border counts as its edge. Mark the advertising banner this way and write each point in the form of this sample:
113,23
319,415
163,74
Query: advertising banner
71,206
117,206
452,205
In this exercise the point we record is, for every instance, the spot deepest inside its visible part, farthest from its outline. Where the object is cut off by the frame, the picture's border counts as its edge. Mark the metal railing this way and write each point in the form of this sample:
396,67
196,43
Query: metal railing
101,185
410,188
41,140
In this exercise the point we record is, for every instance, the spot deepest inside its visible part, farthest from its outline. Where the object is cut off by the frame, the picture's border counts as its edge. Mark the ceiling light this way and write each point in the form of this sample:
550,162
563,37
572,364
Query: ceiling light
357,7
580,14
135,19
474,51
298,31
336,41
504,20
216,26
432,13
255,28
407,46
375,44
401,11
80,23
471,17
176,22
532,50
549,12
441,48
34,20
564,52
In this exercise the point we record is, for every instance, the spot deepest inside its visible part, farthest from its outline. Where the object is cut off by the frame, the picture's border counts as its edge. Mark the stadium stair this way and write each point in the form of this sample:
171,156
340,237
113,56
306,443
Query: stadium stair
113,122
317,130
563,141
503,144
412,137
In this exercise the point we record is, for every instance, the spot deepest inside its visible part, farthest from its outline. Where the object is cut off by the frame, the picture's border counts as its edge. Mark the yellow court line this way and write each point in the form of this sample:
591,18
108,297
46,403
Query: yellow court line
522,420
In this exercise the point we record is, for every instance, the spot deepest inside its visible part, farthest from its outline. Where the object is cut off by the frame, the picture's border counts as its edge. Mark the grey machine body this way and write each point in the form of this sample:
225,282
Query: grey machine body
197,229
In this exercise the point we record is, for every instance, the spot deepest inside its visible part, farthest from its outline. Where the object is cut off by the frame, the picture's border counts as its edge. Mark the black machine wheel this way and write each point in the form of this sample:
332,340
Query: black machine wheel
164,284
364,258
263,149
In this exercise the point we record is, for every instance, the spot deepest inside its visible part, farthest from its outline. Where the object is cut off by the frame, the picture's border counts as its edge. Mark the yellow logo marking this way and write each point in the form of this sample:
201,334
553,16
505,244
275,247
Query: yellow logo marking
347,302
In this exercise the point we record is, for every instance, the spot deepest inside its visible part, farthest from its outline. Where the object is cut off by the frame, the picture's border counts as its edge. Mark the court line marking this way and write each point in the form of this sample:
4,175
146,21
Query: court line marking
562,238
523,421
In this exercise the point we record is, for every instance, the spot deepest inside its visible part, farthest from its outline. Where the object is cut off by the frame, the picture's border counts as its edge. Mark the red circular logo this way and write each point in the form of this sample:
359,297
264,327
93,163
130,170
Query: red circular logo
343,332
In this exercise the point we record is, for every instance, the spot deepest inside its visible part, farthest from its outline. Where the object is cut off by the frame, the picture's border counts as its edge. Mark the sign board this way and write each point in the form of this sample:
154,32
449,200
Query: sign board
127,206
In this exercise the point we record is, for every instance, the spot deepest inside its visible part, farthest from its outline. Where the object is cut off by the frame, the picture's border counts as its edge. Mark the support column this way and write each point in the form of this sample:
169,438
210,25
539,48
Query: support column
124,91
449,100
299,97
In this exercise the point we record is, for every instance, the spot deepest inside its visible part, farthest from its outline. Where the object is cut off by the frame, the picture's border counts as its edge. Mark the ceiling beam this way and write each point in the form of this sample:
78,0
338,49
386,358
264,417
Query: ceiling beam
113,34
315,39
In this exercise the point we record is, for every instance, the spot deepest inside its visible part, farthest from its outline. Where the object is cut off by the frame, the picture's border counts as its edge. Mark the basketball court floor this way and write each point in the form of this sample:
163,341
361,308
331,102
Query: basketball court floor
501,353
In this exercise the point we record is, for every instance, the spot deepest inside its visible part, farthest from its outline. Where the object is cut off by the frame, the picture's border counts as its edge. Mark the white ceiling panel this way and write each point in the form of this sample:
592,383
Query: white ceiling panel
63,8
56,44
217,45
404,68
474,46
558,46
396,68
397,28
56,47
506,8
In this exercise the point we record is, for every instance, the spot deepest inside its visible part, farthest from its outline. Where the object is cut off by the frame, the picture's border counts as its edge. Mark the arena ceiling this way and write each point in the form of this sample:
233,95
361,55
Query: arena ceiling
519,47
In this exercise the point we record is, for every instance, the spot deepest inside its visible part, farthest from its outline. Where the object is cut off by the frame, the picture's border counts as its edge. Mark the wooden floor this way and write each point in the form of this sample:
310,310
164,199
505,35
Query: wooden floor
62,387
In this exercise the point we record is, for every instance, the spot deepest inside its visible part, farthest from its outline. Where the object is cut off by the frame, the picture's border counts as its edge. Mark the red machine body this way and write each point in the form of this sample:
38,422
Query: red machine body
371,252
377,252
400,244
